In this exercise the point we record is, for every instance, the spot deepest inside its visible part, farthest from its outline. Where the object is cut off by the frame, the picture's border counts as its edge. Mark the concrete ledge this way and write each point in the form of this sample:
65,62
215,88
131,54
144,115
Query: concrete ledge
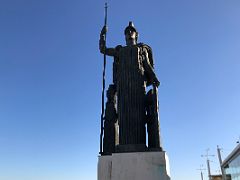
134,166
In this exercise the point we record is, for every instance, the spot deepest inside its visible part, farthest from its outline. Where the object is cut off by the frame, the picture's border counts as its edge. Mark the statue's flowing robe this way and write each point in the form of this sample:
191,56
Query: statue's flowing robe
132,72
131,83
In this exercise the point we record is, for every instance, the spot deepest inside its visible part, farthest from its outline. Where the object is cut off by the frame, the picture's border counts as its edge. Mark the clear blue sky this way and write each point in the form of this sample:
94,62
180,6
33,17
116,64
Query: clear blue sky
50,82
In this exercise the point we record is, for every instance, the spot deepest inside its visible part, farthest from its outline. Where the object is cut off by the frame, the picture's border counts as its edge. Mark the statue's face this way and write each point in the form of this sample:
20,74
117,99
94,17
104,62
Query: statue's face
130,37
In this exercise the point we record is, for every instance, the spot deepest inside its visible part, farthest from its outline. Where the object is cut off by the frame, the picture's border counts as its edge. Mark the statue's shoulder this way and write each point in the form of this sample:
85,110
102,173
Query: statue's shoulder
143,47
146,46
118,47
117,50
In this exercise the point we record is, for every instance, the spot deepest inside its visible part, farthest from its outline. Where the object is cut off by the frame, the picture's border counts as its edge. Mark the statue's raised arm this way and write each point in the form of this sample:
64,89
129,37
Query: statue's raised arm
102,43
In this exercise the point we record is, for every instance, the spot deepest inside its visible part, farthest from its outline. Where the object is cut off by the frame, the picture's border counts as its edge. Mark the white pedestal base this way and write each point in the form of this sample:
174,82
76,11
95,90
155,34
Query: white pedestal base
134,166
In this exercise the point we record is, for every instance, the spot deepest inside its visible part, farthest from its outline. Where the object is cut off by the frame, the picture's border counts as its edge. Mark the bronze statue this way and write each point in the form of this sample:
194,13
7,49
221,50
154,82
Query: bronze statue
132,73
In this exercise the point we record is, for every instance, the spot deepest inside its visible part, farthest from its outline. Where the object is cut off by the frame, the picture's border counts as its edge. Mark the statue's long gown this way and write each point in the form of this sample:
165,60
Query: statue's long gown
130,94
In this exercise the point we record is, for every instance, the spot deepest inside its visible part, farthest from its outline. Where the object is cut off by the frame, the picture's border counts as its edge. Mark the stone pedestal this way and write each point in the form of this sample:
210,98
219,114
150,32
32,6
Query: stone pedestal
134,166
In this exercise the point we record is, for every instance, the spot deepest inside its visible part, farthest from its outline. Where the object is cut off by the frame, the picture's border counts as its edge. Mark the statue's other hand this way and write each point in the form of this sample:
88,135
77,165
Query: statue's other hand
156,82
104,30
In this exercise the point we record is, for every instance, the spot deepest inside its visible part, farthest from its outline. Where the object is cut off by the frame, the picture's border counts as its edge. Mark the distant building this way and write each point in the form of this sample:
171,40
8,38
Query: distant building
216,177
219,177
231,164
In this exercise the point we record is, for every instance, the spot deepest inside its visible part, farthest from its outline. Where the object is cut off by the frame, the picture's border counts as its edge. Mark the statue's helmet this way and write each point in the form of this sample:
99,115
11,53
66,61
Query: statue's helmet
130,27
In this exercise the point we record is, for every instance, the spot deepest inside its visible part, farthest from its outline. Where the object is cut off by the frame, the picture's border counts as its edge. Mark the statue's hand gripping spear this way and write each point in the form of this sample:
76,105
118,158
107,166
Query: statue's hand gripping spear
102,46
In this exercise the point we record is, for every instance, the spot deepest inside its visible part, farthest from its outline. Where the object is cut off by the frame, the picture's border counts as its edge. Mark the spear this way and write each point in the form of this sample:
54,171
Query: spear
103,83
